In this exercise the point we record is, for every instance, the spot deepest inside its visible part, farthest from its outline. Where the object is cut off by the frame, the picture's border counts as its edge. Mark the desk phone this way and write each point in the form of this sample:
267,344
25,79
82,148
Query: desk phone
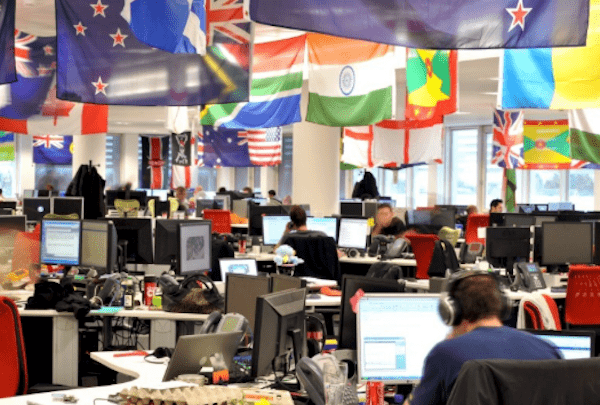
529,277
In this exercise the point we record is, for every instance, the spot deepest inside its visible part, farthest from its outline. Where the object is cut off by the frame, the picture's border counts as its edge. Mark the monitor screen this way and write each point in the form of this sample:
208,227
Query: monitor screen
35,208
504,245
353,233
567,243
67,206
29,193
223,202
98,245
273,228
281,282
395,352
561,206
526,208
206,204
165,240
352,288
137,232
328,225
370,208
351,208
572,344
237,266
241,292
60,242
195,247
512,219
255,216
419,217
12,205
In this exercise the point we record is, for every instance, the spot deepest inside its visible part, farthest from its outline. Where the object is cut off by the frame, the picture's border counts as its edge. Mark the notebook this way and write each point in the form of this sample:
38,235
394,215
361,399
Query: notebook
237,266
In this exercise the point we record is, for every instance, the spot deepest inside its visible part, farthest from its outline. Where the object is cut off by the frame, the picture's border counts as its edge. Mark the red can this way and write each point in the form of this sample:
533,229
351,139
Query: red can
149,289
374,393
242,245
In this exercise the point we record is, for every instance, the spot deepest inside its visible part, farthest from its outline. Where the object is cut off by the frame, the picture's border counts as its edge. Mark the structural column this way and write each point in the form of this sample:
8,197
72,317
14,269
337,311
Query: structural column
25,166
88,148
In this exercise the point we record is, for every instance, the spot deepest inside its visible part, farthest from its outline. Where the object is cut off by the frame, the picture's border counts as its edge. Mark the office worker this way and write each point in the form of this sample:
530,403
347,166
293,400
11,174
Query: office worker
475,307
272,200
199,193
181,196
297,225
386,223
497,205
471,209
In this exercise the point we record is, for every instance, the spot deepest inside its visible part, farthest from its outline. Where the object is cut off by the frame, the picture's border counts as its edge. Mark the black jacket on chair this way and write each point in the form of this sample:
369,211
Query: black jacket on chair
319,254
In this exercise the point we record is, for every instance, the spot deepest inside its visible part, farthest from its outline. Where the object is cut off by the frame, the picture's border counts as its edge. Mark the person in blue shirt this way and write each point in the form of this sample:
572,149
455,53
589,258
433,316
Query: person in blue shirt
474,306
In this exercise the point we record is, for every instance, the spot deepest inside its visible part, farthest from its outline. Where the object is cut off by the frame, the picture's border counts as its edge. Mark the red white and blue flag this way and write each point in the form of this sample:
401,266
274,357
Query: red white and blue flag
155,162
224,148
507,149
53,149
264,145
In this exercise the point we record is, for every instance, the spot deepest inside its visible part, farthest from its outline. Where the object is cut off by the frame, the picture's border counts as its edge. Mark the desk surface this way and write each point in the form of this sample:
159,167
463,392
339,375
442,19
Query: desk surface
124,313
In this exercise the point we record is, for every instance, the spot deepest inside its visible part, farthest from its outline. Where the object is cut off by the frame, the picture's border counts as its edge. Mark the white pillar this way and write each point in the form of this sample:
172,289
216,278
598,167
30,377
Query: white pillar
432,185
88,148
25,166
130,171
226,178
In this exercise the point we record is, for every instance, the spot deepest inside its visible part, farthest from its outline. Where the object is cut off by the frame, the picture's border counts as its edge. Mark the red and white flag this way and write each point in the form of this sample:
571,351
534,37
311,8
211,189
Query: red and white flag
181,176
264,145
155,153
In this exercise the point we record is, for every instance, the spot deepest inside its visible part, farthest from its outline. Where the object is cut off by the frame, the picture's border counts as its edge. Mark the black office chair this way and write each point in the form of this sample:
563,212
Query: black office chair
319,254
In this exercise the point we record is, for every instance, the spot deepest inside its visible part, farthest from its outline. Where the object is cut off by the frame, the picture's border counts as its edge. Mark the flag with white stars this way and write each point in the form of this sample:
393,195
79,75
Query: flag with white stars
224,148
100,60
53,149
264,145
7,41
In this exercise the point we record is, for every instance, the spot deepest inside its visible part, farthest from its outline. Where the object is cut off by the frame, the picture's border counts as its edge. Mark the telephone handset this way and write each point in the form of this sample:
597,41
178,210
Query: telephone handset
312,373
528,276
217,322
397,248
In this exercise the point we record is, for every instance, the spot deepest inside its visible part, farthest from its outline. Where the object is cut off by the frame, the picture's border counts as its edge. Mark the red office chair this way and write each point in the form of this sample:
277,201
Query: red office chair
583,297
13,367
534,314
474,222
422,247
221,220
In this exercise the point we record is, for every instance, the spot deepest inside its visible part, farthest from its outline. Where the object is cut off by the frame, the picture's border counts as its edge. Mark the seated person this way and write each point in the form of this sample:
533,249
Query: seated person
478,333
199,193
271,199
471,209
184,203
386,223
297,225
496,205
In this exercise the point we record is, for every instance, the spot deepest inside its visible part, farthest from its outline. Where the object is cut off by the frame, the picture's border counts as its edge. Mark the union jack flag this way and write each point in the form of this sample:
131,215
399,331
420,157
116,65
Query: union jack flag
48,141
583,164
227,17
200,149
264,145
53,149
23,62
507,149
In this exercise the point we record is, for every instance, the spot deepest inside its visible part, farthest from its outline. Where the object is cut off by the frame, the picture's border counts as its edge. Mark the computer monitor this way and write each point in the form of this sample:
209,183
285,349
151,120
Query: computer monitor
370,208
255,215
352,288
195,247
98,245
35,208
541,207
351,208
504,245
207,204
513,219
497,218
561,206
166,242
565,243
67,206
540,219
353,233
237,266
12,205
137,232
29,194
526,208
241,292
60,242
225,203
280,326
394,335
43,193
112,195
571,344
239,207
328,225
273,228
281,282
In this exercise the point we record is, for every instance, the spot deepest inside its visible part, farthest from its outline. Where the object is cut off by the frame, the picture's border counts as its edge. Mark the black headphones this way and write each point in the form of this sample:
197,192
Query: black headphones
449,307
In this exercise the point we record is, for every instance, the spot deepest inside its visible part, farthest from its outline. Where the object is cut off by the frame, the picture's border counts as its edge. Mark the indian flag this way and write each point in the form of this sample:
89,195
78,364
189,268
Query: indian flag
584,132
351,82
275,91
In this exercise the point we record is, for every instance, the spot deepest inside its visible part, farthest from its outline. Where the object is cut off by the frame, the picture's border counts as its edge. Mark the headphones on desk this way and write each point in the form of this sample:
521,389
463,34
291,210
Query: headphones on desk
450,308
352,252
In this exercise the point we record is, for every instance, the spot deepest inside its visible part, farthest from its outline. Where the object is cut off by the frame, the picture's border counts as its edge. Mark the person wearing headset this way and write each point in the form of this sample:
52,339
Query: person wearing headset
297,225
475,307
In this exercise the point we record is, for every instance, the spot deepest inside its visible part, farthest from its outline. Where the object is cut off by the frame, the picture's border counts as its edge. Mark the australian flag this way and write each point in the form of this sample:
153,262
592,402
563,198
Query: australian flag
101,61
507,148
225,148
52,149
8,72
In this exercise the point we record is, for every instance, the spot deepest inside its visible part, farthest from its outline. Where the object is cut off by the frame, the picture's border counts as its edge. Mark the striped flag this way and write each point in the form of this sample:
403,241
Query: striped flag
7,146
507,148
155,152
264,145
350,82
181,176
584,133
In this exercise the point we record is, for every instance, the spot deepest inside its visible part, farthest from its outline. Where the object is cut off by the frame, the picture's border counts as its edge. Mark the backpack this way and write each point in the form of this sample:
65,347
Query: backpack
444,258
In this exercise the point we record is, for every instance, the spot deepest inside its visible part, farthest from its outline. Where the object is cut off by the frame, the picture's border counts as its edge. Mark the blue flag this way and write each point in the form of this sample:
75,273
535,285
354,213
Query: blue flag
52,149
184,31
100,61
224,148
435,24
8,72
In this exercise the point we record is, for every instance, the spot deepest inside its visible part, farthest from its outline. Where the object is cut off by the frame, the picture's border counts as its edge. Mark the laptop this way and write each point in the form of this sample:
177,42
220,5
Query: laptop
237,266
192,352
573,344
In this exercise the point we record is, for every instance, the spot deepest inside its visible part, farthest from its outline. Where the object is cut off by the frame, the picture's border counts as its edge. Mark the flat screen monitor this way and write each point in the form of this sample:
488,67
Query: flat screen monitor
506,245
35,208
195,247
43,193
566,243
255,216
237,266
328,225
370,208
99,245
241,292
571,344
395,352
512,219
281,282
561,206
239,207
10,227
351,208
497,218
353,287
67,206
137,232
165,241
11,205
353,233
280,326
13,223
112,195
29,193
60,242
526,208
541,207
273,228
223,202
418,217
208,204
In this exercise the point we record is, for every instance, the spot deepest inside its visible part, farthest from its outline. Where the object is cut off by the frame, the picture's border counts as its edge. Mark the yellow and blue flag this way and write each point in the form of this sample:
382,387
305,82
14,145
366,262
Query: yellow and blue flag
53,149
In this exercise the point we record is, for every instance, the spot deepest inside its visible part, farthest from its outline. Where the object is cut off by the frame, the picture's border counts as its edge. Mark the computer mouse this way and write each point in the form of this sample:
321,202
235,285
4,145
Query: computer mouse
161,352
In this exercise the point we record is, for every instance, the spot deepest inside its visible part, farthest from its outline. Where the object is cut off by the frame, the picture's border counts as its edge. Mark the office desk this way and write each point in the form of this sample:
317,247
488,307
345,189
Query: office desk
370,260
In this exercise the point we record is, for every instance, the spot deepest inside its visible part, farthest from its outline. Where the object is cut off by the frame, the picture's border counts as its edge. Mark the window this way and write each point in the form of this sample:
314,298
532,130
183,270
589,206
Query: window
581,189
394,185
285,168
241,178
420,185
59,176
494,173
464,166
8,179
113,158
544,186
206,177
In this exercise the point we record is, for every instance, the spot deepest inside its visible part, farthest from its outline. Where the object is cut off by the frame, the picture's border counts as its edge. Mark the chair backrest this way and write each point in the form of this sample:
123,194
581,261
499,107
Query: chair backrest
319,254
538,311
451,235
74,216
474,222
13,367
221,220
422,246
127,208
583,300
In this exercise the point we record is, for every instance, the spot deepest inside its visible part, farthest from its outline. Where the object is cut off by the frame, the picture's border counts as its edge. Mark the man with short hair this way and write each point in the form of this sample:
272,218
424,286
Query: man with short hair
478,333
272,200
386,223
496,205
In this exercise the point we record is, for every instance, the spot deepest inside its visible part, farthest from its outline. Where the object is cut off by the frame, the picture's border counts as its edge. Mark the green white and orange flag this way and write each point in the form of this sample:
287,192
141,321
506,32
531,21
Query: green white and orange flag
351,82
431,83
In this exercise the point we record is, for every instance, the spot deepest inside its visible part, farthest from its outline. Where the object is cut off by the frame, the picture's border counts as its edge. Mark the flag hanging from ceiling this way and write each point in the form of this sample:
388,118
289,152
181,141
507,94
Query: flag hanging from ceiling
546,144
182,149
431,83
171,25
435,24
350,82
559,78
155,164
33,107
264,145
224,148
358,146
7,146
101,61
275,91
507,147
53,149
584,135
181,176
8,55
509,189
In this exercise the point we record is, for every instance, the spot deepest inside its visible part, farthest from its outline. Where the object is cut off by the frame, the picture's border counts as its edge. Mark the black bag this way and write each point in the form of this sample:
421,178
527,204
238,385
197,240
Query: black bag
385,270
444,257
196,294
